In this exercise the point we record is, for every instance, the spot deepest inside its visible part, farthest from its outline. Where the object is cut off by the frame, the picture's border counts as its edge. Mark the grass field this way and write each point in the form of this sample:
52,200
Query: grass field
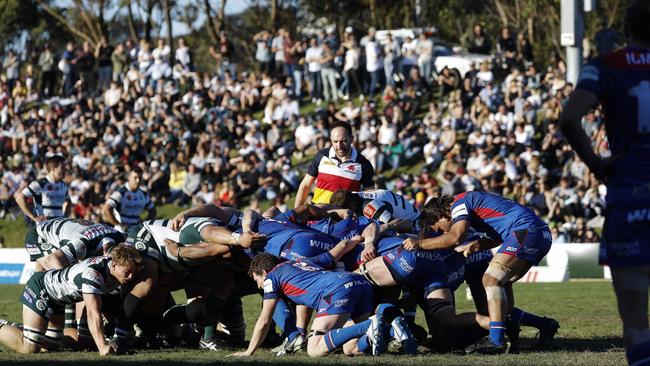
589,335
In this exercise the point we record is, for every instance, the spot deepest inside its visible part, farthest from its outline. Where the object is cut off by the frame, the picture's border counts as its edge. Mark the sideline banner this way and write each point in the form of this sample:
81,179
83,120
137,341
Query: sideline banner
563,261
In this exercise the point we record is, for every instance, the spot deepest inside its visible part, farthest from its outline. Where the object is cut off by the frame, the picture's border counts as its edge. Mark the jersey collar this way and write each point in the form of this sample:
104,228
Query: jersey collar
353,154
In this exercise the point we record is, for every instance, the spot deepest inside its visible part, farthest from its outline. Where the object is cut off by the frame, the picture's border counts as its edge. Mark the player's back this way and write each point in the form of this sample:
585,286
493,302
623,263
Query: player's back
621,81
401,207
494,214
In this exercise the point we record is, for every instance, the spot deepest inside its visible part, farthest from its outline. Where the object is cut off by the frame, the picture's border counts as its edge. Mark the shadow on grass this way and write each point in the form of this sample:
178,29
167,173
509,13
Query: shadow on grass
594,344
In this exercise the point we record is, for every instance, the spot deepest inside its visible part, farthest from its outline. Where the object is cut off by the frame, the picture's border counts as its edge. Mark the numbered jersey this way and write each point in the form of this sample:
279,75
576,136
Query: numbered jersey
149,239
90,276
384,205
78,239
621,81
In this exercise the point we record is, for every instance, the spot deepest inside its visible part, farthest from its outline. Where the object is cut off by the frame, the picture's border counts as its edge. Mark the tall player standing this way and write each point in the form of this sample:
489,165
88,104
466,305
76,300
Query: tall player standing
620,81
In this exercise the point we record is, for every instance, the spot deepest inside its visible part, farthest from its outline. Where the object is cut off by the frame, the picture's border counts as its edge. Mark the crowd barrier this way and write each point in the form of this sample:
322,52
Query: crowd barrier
563,262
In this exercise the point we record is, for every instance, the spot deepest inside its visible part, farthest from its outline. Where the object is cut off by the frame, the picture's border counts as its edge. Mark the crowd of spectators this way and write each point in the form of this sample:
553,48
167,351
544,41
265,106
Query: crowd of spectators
231,136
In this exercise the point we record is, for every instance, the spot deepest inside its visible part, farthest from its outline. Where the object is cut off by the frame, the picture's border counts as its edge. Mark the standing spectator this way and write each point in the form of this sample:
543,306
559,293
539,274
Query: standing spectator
277,47
46,63
119,60
374,65
304,135
424,50
162,51
11,66
479,43
507,48
339,167
103,53
124,207
49,194
391,58
409,56
328,73
183,56
69,69
263,51
191,184
313,57
224,55
86,65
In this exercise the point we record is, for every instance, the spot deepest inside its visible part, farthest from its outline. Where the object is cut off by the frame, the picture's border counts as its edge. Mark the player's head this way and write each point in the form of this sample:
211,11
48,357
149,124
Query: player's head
346,199
134,178
341,138
436,214
125,263
55,165
261,265
636,21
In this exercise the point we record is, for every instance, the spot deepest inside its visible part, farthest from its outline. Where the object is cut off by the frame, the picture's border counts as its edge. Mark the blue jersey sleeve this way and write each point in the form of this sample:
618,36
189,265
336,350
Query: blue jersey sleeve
592,79
324,261
459,209
271,287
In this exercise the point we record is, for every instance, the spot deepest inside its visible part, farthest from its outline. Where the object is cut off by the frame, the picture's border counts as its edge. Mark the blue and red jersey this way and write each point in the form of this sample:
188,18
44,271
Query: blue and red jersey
621,81
284,229
307,282
344,229
494,215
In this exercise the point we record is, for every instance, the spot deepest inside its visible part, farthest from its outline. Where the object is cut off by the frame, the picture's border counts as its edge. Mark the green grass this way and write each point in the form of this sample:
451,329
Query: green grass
589,335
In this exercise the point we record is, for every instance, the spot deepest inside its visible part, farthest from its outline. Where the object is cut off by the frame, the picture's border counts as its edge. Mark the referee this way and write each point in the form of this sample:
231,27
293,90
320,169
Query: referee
339,167
49,194
124,207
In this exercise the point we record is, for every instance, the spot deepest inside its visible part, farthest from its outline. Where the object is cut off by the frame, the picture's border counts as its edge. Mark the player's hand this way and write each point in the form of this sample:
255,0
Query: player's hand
40,218
178,221
411,244
251,239
108,349
241,354
469,248
369,253
347,214
172,246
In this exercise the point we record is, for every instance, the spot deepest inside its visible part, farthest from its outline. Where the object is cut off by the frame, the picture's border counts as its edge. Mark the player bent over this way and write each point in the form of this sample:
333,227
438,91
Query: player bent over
47,293
525,241
339,298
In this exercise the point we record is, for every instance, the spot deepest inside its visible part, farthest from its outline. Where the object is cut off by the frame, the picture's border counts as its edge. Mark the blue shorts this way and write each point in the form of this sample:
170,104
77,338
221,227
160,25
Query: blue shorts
421,268
626,237
530,244
355,299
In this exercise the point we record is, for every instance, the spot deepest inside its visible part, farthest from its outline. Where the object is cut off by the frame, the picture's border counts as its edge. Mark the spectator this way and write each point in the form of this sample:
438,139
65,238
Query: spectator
263,53
12,68
313,57
103,54
48,78
328,74
85,62
424,51
479,42
374,64
119,60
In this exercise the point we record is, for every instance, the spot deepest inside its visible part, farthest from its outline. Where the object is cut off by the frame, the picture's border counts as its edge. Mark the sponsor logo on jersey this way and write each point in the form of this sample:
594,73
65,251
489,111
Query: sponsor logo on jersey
341,302
642,214
41,305
28,297
46,246
320,244
369,210
140,246
403,263
351,167
634,58
510,249
268,286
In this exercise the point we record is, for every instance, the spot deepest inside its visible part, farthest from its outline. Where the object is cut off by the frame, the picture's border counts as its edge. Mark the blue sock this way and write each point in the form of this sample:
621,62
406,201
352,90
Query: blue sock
389,312
497,332
285,318
528,319
364,345
338,337
639,354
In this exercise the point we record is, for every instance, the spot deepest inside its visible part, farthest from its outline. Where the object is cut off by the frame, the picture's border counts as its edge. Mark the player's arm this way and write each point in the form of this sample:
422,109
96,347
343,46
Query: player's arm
450,239
151,212
483,243
55,260
196,251
261,327
22,203
370,236
208,210
67,207
399,225
580,103
95,324
303,190
108,216
304,213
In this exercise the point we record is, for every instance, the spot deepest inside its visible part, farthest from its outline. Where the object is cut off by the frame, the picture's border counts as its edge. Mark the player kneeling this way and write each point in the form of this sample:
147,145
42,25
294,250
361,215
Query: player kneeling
47,293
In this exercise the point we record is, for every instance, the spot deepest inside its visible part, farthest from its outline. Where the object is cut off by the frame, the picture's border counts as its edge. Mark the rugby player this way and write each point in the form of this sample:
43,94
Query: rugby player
620,81
525,241
339,298
47,293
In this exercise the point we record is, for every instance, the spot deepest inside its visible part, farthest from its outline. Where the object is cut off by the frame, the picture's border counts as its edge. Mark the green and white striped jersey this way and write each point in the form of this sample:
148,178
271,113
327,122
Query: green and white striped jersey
90,276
